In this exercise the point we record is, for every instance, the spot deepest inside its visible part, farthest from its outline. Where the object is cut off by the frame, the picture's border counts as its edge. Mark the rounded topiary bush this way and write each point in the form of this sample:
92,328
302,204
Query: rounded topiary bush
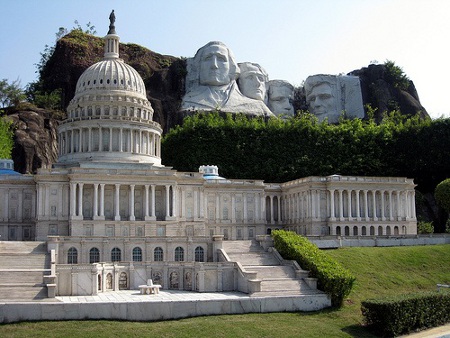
442,194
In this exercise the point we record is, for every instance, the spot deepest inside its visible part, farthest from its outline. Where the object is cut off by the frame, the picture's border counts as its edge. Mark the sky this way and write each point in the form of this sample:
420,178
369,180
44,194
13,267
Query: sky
290,39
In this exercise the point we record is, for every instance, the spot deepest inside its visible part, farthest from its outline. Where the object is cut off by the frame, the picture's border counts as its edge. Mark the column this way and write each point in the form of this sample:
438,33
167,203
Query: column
217,207
146,202
366,206
383,217
80,200
391,218
245,207
272,219
233,208
257,207
116,202
341,206
399,208
263,207
80,139
121,140
174,200
167,201
71,141
132,216
358,211
200,200
110,136
413,204
332,213
73,200
153,201
279,208
349,204
100,139
95,200
89,139
102,200
313,204
374,200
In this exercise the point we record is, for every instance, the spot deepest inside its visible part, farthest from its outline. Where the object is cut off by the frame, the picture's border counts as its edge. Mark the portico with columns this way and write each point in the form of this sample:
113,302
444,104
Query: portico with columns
350,206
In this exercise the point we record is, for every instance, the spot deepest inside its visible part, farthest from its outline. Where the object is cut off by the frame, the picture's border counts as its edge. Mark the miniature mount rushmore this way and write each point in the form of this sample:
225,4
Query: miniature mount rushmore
214,78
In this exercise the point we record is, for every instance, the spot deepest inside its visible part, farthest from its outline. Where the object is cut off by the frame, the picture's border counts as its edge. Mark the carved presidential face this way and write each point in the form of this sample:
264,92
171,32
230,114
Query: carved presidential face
252,83
214,66
321,100
280,98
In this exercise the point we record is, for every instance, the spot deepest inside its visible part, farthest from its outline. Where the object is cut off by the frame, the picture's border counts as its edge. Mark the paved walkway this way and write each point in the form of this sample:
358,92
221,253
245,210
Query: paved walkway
163,296
437,332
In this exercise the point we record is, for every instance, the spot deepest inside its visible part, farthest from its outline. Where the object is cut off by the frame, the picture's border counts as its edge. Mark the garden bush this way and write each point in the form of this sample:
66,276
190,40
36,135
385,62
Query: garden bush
334,279
401,314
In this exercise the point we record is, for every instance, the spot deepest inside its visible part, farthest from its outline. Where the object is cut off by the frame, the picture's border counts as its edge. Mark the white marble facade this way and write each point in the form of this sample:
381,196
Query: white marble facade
115,216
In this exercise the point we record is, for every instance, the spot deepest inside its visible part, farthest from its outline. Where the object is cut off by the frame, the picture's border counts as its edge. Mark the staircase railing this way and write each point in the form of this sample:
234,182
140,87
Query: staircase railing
247,281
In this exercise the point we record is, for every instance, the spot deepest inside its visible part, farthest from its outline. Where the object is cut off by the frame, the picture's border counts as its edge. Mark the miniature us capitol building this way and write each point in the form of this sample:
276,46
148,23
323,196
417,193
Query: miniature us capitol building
113,216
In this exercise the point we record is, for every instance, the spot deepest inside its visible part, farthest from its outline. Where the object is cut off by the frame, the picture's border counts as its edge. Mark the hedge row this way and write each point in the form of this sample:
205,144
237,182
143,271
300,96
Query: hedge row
335,280
405,313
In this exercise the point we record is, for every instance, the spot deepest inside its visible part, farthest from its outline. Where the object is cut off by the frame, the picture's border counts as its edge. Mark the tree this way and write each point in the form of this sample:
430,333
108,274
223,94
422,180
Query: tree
6,138
11,94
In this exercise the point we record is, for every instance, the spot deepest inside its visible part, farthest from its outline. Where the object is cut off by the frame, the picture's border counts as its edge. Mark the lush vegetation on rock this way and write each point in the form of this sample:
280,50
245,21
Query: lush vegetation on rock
6,138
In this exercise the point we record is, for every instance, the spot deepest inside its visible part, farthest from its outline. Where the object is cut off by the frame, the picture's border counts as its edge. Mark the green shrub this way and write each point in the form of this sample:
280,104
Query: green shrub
425,227
442,195
404,313
336,281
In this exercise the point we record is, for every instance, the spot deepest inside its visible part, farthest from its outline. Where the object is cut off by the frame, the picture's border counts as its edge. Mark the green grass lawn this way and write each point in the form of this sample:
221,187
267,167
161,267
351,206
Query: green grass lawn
379,271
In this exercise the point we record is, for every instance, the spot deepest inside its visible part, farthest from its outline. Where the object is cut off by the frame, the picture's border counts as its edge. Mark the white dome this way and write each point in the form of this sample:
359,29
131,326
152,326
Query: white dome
111,74
110,119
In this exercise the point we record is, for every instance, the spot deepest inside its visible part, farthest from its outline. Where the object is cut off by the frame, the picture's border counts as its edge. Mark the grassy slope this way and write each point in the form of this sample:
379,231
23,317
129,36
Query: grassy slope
379,271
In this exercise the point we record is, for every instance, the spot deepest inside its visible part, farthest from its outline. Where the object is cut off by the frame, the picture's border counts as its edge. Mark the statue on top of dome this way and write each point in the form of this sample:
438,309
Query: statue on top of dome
112,20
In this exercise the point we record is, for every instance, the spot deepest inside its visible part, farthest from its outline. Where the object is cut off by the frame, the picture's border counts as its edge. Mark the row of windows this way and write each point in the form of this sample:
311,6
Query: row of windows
116,255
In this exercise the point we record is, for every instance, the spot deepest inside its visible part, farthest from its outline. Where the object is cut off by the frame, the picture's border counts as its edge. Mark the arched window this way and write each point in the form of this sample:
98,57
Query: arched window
338,230
179,254
116,255
94,255
199,254
388,230
380,231
137,254
347,231
72,256
158,254
355,231
363,231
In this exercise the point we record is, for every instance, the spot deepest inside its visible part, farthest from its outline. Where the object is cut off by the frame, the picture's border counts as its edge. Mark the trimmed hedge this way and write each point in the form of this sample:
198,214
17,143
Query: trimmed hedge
401,314
334,279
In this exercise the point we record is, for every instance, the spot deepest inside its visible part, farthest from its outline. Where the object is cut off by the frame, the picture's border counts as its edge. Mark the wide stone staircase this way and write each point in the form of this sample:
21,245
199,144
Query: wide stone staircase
23,266
276,276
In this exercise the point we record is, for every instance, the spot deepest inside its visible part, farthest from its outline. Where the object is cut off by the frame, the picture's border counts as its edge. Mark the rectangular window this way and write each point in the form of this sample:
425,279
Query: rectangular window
110,230
161,231
53,210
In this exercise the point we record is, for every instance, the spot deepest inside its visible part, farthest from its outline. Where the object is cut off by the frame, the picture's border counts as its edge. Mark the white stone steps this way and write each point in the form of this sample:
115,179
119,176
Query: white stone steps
241,246
253,259
24,292
22,247
272,272
20,277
